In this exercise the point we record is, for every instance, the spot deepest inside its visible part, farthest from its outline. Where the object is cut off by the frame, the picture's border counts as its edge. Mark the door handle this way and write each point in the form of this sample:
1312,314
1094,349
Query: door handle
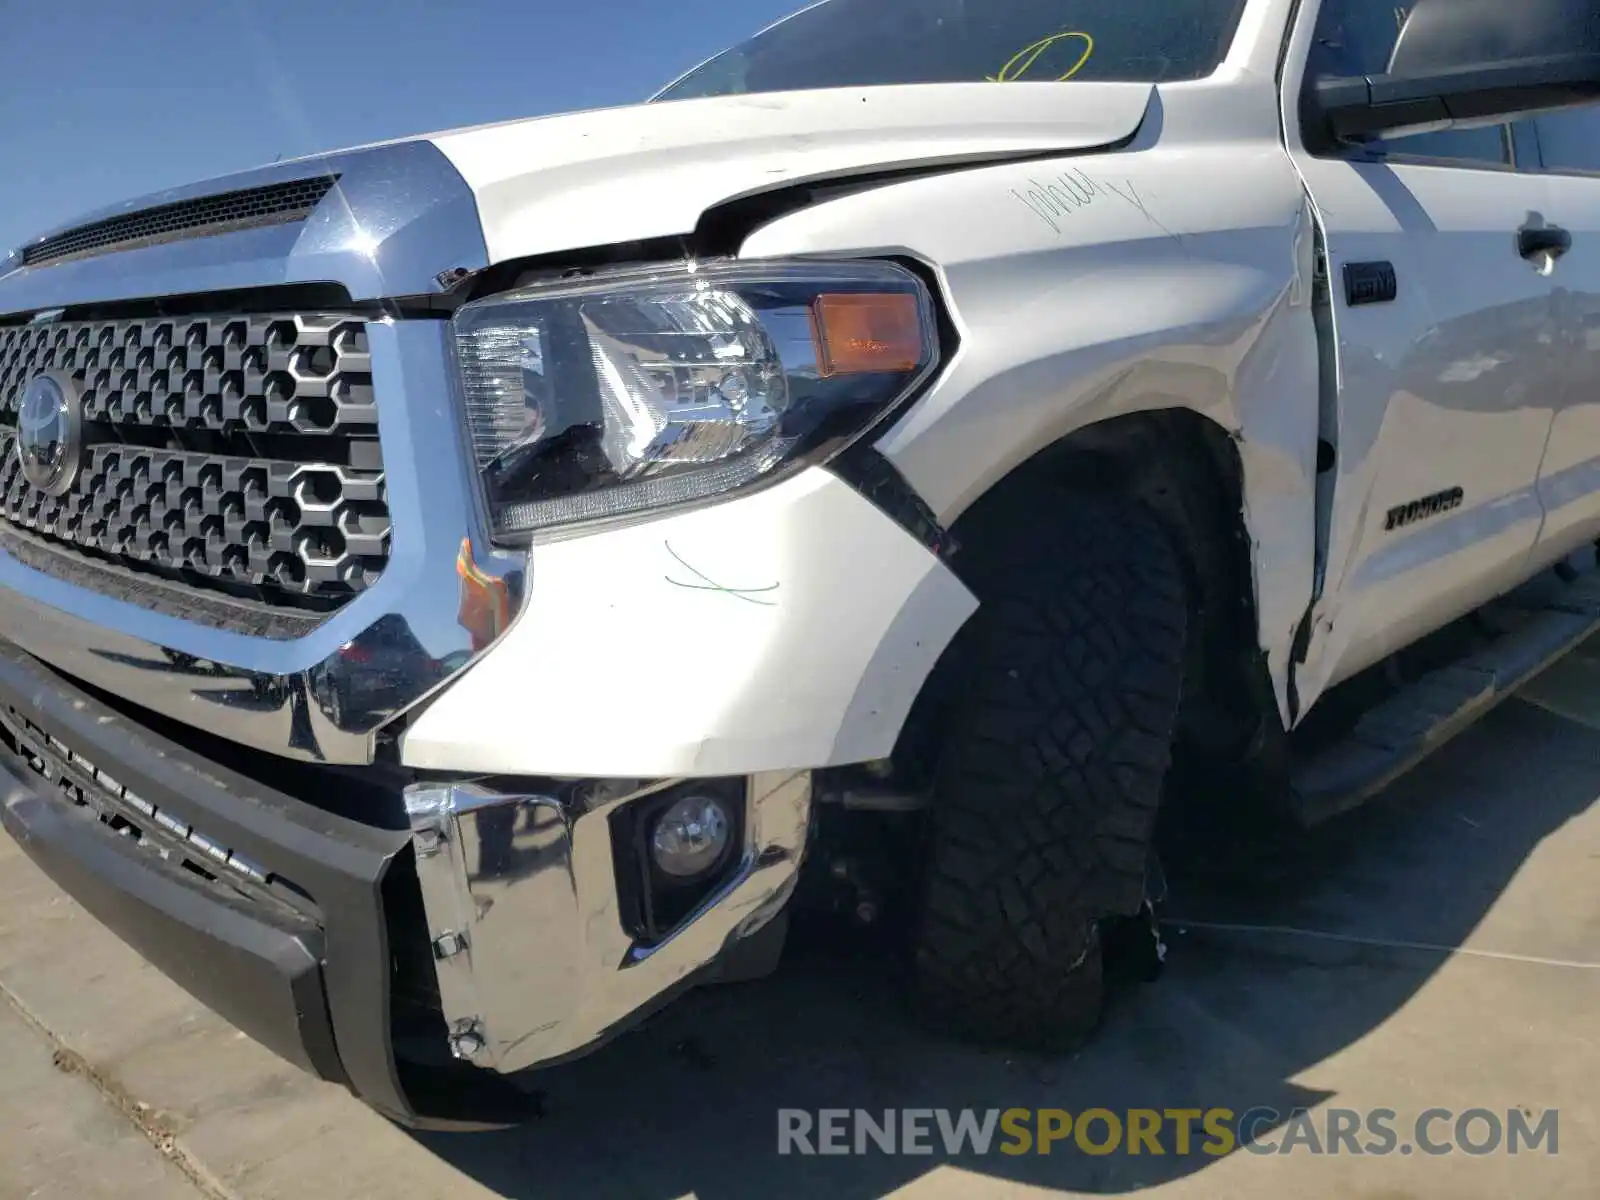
1543,243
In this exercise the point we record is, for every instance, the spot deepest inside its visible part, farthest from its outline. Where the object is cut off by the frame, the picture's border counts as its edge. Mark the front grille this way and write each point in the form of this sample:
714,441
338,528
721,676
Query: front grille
278,203
233,453
54,769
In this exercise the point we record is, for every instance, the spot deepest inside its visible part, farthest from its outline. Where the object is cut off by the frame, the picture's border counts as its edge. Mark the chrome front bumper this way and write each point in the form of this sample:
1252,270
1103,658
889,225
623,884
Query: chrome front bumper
534,960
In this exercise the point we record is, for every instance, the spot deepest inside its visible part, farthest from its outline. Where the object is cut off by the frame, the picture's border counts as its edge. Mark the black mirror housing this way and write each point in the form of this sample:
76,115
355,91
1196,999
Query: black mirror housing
1451,35
1463,62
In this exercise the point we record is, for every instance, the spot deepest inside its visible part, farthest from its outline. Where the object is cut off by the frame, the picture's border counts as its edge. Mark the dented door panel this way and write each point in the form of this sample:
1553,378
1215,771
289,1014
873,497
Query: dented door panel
1443,393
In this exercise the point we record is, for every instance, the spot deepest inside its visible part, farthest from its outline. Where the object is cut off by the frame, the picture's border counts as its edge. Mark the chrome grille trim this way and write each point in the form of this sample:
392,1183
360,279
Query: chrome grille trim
319,694
400,222
277,203
322,687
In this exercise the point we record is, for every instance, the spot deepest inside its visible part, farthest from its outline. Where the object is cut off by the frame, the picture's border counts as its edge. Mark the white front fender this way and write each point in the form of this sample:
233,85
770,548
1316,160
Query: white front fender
788,629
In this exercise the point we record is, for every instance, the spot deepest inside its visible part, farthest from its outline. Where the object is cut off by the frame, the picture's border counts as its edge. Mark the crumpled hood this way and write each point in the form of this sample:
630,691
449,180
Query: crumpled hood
623,174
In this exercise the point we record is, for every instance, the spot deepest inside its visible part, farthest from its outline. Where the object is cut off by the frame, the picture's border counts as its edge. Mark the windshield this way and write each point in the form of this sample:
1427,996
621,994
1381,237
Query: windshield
859,43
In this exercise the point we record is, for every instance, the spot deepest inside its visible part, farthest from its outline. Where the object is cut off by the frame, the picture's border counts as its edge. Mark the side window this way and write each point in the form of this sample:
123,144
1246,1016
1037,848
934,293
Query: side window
1570,141
1358,37
1486,145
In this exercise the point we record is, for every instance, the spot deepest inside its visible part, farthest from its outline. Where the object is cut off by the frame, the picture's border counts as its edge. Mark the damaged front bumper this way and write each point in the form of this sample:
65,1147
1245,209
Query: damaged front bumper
539,914
416,945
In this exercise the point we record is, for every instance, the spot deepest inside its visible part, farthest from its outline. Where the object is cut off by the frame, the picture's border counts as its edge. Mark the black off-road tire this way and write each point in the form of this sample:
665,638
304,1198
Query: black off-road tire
1055,752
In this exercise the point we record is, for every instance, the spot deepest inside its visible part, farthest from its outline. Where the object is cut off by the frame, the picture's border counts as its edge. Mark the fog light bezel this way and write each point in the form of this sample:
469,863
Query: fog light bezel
654,903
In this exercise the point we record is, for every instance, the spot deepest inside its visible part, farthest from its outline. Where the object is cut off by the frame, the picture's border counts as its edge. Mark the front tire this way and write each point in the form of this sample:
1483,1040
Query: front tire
1055,754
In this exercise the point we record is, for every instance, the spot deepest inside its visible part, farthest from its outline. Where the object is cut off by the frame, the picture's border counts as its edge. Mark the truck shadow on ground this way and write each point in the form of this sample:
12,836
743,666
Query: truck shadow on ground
689,1103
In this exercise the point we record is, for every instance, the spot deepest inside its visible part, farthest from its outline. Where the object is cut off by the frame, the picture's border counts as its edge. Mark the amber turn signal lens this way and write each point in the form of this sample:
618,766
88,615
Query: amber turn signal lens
859,332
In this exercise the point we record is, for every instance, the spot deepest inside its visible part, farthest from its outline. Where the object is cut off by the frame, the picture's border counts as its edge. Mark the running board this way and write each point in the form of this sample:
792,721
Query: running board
1402,731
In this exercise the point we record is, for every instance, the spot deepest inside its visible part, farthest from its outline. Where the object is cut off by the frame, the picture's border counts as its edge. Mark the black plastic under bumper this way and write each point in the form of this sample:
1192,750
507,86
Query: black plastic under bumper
264,976
265,907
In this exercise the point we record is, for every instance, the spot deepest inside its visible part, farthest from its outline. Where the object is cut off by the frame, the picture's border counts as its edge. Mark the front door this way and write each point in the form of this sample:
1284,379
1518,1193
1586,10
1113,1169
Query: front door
1446,361
1568,146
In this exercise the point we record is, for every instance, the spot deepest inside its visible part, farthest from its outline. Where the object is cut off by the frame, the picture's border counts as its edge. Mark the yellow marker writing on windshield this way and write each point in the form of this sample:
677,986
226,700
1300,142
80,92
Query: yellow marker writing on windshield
1024,59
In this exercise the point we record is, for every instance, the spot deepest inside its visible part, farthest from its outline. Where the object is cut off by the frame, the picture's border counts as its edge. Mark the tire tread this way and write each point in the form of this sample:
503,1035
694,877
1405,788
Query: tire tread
1054,763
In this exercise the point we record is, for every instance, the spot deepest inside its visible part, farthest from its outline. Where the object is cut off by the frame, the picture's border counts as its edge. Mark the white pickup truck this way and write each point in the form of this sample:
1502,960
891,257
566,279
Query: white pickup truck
459,593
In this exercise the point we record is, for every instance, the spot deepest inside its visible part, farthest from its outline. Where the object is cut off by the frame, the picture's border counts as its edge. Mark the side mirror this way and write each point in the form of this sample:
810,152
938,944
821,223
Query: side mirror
1464,62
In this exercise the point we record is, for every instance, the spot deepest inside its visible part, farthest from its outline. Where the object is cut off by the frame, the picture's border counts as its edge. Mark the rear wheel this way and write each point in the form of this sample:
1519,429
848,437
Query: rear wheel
1055,751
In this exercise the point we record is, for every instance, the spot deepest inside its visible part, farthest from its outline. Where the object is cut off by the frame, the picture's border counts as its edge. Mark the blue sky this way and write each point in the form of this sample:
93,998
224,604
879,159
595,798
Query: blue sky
102,100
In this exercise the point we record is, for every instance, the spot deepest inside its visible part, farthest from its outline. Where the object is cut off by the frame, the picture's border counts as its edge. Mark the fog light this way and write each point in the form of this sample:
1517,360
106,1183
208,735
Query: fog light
691,837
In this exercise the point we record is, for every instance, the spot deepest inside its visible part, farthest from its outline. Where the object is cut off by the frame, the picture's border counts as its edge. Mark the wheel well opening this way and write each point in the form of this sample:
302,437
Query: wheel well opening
1186,471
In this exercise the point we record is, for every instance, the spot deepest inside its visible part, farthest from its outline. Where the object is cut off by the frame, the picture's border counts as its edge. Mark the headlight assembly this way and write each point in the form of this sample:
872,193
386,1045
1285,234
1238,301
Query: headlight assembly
612,396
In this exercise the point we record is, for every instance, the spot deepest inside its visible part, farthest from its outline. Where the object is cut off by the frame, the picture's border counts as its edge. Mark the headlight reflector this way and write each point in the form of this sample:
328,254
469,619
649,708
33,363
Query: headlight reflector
625,393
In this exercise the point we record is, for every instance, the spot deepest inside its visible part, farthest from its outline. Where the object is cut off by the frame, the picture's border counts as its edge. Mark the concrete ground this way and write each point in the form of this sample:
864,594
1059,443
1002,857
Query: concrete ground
1439,948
